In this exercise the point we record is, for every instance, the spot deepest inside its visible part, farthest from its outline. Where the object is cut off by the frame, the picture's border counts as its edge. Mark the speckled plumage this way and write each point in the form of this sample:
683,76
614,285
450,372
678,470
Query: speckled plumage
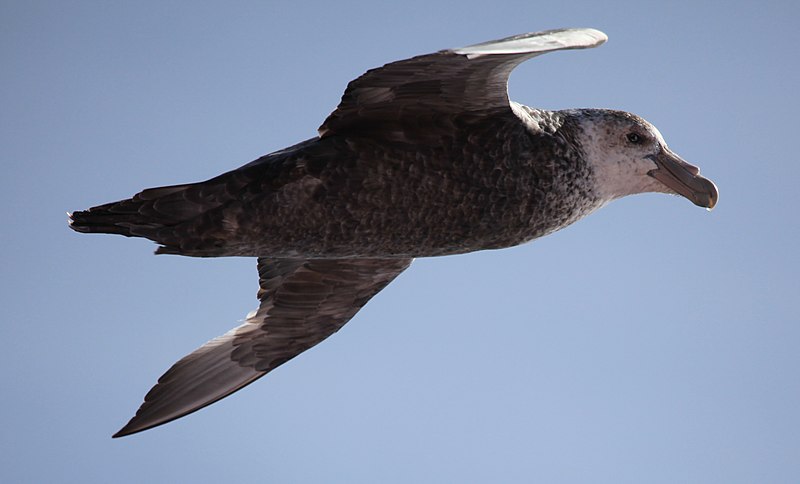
490,183
422,157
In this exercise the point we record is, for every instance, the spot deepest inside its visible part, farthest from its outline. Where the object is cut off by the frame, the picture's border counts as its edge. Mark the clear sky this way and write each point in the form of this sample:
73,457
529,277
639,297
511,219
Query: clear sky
652,342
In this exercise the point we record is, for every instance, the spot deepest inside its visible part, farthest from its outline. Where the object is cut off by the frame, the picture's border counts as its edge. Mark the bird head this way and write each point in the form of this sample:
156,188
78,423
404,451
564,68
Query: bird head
628,155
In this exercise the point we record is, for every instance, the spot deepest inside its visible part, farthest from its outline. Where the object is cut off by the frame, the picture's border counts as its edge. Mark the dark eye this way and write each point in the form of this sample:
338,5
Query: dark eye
634,138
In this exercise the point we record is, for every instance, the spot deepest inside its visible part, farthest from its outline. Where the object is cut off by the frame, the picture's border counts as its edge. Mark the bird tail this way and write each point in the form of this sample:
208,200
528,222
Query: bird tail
146,214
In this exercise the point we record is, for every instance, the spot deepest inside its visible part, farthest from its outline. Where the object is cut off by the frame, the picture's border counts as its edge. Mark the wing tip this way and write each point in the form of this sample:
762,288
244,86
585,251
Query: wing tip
140,423
541,42
123,432
134,427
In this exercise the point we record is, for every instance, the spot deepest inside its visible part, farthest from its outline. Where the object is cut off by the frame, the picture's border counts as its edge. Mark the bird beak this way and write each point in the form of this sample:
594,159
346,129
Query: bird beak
684,179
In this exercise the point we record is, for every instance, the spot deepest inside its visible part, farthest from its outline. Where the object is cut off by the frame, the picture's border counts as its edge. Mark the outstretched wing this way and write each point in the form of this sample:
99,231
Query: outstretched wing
425,87
302,303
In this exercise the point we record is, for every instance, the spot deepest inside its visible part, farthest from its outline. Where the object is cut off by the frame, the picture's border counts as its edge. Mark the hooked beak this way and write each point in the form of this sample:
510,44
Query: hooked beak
684,179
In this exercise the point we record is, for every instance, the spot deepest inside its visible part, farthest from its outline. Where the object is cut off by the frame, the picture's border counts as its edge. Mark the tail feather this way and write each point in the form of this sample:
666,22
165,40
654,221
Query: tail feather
190,219
143,215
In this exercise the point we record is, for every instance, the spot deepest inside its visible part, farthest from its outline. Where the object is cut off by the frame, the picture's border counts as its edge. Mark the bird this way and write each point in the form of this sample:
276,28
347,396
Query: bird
422,157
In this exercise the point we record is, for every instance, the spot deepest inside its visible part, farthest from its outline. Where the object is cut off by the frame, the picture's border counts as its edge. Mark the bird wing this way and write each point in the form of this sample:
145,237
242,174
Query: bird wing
302,303
473,78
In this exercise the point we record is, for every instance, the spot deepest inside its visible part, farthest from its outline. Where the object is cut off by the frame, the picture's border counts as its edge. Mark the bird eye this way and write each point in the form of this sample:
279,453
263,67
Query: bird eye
634,138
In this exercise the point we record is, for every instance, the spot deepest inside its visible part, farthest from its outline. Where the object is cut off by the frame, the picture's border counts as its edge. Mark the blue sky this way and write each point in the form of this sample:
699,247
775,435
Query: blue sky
651,342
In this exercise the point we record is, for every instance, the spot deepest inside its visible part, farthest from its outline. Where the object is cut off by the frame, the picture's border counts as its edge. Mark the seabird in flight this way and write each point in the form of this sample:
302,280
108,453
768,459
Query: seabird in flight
423,157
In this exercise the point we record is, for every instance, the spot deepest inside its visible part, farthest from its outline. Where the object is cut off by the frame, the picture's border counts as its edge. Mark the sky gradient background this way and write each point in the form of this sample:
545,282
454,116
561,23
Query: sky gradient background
651,342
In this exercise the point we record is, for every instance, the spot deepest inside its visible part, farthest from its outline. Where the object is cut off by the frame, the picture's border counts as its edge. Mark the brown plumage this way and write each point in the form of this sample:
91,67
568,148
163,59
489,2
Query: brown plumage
422,157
